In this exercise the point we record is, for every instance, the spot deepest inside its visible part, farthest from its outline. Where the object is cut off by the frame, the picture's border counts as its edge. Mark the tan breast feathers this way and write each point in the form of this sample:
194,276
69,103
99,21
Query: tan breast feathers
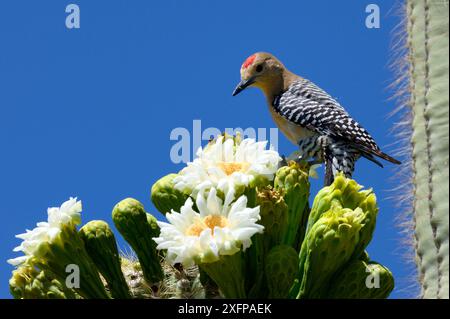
291,130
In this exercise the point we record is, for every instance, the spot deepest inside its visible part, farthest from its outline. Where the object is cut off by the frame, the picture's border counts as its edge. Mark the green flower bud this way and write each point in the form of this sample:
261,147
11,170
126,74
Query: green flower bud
328,245
281,270
274,215
102,248
325,198
68,249
344,192
165,197
347,193
289,176
29,283
361,280
152,221
293,181
370,209
130,219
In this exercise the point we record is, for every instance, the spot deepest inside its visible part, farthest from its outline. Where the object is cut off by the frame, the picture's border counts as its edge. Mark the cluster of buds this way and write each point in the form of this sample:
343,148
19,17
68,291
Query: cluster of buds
238,225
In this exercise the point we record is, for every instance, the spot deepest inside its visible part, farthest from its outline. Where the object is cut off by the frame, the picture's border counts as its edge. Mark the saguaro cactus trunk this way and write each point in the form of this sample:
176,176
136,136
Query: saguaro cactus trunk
428,52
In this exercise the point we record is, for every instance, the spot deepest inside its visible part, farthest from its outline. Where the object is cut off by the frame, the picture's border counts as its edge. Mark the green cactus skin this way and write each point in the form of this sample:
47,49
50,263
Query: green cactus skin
428,117
254,255
293,181
29,283
350,282
274,218
228,274
102,248
130,219
254,268
328,245
210,287
165,197
281,270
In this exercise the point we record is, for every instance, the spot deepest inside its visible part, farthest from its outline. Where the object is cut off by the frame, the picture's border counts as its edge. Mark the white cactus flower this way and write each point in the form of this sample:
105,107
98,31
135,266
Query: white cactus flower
219,228
46,232
225,163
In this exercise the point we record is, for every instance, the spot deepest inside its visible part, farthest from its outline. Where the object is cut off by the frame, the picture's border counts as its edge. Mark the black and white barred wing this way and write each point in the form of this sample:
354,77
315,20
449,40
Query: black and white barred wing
307,105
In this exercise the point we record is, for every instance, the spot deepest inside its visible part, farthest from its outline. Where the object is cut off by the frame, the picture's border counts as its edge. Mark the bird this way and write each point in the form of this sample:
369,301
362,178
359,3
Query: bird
310,118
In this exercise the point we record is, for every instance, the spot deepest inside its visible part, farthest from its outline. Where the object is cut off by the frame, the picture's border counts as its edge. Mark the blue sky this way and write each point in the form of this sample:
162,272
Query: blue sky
88,112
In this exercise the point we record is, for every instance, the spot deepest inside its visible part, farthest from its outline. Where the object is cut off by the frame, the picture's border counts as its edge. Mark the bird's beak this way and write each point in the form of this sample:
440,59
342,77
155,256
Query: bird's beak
243,85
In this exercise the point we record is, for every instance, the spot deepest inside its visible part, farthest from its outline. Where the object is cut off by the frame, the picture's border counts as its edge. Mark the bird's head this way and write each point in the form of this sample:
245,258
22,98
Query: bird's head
261,70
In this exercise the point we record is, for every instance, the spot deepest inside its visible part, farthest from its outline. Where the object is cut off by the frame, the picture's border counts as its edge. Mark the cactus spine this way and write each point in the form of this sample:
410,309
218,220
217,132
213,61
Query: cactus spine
428,116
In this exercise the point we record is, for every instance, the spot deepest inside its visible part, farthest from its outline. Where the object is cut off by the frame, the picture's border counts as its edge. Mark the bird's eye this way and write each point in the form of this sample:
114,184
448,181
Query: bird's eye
259,68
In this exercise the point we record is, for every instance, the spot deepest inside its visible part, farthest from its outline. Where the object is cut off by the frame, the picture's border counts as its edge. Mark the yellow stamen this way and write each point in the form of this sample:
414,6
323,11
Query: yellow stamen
230,167
195,230
210,222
